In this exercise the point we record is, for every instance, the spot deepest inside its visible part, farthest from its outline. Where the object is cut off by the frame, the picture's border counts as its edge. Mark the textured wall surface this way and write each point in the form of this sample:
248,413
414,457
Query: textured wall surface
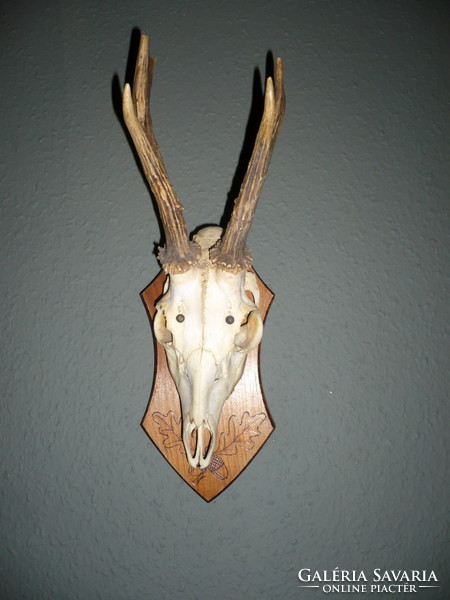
351,233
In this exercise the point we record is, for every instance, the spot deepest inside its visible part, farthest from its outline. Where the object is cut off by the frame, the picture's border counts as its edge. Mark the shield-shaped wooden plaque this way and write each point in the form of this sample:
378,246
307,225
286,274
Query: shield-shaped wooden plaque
244,426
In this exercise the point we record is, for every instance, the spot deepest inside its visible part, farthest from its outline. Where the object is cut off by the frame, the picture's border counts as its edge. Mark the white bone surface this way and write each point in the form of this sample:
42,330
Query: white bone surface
205,353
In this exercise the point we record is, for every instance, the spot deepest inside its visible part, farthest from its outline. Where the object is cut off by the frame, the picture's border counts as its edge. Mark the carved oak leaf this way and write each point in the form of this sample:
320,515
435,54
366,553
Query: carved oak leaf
239,434
169,427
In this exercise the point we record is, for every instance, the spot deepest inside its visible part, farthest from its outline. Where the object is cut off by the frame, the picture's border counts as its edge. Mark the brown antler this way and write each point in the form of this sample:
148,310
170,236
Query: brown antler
178,254
231,253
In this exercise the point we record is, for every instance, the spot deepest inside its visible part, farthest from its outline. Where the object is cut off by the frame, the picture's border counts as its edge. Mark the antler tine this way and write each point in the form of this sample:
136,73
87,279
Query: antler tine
178,254
231,253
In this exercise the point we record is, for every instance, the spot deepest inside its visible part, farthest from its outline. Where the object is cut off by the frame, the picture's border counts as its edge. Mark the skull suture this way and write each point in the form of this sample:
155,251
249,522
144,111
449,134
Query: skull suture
208,318
207,323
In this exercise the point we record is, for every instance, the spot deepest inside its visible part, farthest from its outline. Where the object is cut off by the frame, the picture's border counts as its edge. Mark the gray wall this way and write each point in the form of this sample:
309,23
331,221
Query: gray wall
351,233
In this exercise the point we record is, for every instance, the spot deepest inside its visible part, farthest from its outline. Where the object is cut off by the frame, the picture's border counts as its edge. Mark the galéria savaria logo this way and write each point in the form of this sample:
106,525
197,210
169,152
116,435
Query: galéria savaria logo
378,581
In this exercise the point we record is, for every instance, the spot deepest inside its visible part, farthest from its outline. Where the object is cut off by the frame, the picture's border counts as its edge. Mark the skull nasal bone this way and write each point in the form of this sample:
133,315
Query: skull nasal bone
202,369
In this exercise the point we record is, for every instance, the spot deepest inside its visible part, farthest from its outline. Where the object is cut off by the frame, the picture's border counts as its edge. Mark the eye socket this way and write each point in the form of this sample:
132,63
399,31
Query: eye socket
229,319
180,318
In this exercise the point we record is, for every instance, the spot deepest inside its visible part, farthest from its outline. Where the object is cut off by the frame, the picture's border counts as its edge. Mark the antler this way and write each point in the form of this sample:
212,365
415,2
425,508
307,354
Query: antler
178,254
231,253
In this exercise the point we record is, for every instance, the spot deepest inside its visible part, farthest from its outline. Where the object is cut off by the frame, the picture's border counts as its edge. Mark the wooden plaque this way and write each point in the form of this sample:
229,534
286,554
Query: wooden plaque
244,426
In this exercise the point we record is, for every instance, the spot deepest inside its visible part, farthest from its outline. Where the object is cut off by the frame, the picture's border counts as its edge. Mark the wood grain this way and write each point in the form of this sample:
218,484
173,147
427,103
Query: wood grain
244,427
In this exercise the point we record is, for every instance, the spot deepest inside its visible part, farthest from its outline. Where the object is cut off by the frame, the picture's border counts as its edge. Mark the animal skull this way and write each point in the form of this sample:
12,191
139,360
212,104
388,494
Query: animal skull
208,318
207,324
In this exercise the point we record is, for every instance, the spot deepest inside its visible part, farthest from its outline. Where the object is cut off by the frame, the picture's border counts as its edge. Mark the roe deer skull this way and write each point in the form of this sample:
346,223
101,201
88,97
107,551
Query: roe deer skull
208,318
